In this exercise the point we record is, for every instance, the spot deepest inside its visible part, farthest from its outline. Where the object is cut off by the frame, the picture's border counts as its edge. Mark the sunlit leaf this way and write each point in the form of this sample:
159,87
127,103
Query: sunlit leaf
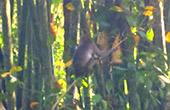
165,79
84,83
127,105
16,69
56,2
135,53
150,34
148,13
142,63
125,87
150,8
13,79
1,41
133,30
67,64
3,75
167,37
148,54
160,0
33,104
70,6
116,8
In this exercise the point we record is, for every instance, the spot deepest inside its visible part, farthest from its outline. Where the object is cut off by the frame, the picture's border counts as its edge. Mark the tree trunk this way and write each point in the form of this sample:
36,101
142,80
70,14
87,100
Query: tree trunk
8,56
28,76
66,48
21,54
37,77
46,69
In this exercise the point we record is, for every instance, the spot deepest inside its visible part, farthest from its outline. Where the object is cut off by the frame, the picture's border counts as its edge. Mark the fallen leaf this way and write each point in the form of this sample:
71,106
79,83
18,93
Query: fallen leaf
3,75
148,13
136,38
53,31
70,6
116,8
150,8
142,62
167,37
33,104
58,84
67,64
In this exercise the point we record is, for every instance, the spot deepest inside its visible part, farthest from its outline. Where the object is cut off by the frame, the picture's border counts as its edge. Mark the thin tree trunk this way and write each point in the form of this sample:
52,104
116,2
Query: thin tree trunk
21,55
8,56
45,49
66,47
37,77
28,76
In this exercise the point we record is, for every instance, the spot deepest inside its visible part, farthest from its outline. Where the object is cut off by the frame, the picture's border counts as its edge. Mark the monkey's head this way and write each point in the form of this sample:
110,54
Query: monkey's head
85,39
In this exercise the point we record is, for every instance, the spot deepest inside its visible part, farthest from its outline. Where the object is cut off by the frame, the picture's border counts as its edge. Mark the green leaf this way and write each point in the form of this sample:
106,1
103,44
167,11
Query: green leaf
49,100
161,92
96,98
116,8
104,105
2,96
70,42
103,25
131,65
142,34
56,2
120,68
51,39
150,34
132,20
148,54
12,86
109,86
148,84
56,89
101,14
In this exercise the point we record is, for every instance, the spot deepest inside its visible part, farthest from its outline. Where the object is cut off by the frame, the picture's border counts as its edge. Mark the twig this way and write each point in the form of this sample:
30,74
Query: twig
68,89
163,34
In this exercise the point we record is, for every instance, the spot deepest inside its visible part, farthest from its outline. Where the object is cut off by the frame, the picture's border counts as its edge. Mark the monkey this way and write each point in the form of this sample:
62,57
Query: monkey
87,55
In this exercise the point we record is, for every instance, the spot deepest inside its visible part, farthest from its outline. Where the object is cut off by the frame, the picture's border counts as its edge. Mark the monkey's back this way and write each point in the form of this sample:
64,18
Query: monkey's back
82,58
